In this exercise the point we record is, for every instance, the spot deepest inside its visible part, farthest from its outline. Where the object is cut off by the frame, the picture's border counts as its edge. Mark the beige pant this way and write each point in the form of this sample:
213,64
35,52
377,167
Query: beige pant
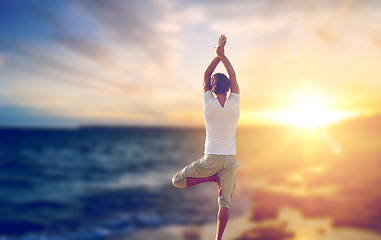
225,166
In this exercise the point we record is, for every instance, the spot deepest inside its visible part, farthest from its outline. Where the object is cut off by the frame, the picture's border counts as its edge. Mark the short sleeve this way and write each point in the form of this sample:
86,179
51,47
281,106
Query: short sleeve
207,97
235,97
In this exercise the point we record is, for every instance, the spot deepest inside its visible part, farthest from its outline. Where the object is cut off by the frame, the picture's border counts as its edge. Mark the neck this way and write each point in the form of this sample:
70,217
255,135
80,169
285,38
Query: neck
221,96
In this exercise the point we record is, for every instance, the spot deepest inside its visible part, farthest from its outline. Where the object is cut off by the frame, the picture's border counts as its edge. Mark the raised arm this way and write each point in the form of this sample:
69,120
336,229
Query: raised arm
228,66
208,73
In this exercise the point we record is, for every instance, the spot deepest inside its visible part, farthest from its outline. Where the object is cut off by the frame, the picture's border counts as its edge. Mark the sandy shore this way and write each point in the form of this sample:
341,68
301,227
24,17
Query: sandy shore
314,228
236,226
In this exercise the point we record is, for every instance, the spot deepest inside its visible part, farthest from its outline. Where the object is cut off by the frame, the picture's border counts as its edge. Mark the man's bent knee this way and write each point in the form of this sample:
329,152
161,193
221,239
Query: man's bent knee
178,182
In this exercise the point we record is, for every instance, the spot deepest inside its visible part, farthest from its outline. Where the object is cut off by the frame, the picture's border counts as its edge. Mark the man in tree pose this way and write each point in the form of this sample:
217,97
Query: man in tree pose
219,163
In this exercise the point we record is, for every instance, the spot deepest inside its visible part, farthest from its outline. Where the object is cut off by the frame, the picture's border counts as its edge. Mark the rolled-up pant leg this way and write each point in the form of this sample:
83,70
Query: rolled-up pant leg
228,185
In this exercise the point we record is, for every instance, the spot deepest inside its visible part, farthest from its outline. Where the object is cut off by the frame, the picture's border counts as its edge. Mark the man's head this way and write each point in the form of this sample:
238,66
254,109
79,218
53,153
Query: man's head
220,83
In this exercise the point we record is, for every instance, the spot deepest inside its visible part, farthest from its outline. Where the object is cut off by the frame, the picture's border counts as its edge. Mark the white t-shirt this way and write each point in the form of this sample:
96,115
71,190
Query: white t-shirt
220,124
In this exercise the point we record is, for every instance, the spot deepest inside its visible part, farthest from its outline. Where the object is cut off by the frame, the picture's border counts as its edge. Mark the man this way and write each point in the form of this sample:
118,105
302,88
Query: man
219,163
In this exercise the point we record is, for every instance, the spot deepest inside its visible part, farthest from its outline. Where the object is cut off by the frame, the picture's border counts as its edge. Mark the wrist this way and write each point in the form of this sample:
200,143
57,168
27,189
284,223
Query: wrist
221,55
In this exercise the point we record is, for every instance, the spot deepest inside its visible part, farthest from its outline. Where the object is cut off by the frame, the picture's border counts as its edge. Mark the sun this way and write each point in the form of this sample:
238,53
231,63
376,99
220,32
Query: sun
306,109
309,111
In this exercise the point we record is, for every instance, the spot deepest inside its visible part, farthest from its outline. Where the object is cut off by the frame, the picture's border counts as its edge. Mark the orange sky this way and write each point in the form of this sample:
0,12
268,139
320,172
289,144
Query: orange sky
133,63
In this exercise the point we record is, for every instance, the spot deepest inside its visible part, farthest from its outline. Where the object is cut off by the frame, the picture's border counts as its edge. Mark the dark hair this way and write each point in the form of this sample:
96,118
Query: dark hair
220,83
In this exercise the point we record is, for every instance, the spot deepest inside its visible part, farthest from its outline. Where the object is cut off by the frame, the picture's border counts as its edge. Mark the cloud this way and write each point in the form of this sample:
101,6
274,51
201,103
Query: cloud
2,61
130,23
130,42
77,33
38,59
16,116
151,55
149,32
135,39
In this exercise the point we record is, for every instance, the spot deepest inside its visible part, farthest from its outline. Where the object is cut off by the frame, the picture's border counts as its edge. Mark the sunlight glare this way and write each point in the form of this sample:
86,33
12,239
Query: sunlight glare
309,111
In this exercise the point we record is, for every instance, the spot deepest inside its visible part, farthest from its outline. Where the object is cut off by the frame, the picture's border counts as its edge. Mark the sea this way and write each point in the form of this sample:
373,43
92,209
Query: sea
97,182
103,182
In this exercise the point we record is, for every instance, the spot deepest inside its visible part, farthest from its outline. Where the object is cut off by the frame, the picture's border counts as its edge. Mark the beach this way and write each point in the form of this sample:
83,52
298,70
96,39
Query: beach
114,183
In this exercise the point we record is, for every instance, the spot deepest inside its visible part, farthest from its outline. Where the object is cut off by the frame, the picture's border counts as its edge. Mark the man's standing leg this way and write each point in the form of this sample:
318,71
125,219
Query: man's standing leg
227,179
222,220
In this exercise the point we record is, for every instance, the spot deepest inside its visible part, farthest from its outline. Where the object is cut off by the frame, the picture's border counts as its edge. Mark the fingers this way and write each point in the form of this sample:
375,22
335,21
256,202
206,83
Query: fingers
222,39
221,44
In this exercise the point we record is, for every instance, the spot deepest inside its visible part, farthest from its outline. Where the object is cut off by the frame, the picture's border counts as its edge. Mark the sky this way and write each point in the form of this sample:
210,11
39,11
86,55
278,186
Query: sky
141,62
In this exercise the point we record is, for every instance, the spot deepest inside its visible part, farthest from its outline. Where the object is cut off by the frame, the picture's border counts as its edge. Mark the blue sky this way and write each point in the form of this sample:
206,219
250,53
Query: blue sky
68,63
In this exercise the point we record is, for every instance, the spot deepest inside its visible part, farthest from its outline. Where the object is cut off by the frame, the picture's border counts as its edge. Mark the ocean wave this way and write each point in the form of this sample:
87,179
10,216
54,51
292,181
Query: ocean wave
92,184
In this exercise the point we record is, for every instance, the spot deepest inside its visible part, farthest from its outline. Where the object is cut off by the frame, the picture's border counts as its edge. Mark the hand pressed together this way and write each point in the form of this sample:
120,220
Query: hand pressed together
220,49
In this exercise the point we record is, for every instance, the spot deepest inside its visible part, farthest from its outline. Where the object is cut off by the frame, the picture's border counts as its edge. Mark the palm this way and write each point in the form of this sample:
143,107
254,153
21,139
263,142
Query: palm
221,45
